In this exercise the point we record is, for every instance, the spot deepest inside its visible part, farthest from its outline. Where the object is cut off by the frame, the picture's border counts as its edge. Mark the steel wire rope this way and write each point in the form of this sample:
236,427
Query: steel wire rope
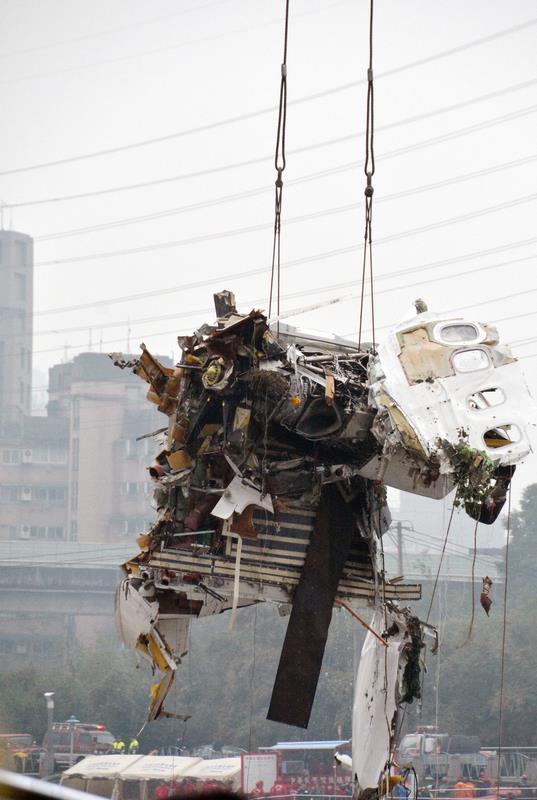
399,195
307,98
288,265
369,171
504,632
467,130
472,615
193,240
279,165
433,593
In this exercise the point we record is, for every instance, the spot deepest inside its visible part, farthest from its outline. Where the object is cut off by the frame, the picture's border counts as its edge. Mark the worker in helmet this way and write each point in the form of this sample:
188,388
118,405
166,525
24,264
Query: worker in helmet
119,747
134,746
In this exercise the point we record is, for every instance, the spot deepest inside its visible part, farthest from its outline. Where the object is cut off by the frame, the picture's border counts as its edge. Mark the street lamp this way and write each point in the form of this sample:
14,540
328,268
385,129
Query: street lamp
72,722
49,763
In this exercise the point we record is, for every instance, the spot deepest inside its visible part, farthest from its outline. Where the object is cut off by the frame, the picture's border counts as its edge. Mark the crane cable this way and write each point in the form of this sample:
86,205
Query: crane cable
503,646
279,164
369,169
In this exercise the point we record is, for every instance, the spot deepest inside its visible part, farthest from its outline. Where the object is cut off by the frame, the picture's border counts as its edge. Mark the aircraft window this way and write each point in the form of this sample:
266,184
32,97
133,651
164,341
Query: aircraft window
486,398
459,333
470,360
502,436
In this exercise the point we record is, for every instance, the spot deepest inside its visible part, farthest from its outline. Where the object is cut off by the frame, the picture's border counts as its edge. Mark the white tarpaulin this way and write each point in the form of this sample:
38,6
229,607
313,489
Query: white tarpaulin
219,769
101,766
165,768
375,701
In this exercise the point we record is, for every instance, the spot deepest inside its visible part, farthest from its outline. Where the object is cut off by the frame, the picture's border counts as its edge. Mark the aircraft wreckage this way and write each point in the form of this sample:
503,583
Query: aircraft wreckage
271,487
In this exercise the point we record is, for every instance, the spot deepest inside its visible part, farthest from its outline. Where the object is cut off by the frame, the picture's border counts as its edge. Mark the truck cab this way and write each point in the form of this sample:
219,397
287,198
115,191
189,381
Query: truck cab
71,743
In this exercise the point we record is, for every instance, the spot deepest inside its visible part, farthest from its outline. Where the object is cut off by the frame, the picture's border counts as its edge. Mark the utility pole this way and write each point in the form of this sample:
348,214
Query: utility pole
49,764
399,528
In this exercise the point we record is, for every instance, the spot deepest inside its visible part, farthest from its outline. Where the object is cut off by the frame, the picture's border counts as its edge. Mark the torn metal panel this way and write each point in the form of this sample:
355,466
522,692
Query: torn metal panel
237,497
388,675
441,380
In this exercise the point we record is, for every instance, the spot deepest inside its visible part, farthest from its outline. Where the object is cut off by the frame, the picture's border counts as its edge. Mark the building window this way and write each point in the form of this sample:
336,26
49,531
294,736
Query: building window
20,286
9,494
73,531
75,454
76,413
74,496
21,253
21,392
42,532
57,454
11,457
56,494
51,453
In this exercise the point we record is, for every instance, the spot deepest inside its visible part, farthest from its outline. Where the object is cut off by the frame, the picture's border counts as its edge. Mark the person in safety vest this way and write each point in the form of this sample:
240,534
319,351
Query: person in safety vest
119,747
134,746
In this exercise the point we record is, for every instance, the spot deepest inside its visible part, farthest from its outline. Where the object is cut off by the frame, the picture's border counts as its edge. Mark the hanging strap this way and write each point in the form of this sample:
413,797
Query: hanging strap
279,164
369,169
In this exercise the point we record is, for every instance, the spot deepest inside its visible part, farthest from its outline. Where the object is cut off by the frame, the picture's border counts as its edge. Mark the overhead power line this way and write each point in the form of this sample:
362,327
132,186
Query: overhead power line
403,194
110,31
260,159
254,303
286,314
168,48
287,265
260,112
207,237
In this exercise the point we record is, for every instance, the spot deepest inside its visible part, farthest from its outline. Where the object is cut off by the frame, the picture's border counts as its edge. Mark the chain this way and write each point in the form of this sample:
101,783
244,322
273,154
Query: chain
369,169
279,164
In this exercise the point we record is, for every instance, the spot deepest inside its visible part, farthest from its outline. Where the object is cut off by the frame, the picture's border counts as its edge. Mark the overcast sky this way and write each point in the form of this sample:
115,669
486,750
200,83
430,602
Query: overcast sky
79,77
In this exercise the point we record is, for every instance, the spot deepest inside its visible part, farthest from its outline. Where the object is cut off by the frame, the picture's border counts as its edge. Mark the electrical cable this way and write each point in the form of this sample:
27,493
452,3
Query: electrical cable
441,559
279,165
168,48
288,265
239,118
292,312
193,240
223,199
504,631
110,31
369,171
466,130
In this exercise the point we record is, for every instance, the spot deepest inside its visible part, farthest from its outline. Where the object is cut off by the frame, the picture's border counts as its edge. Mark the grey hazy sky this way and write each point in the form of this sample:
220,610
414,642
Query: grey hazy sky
77,77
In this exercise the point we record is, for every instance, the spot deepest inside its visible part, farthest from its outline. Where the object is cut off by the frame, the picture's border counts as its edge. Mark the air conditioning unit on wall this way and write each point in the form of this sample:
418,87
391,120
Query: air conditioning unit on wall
26,493
25,532
27,456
